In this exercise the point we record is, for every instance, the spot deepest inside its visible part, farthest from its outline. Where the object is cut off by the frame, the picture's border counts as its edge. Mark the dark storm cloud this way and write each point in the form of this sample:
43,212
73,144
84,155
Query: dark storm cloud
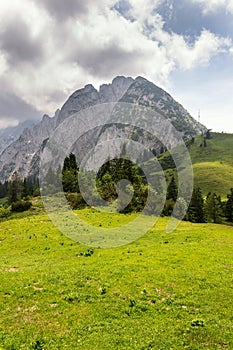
18,45
13,107
63,9
107,61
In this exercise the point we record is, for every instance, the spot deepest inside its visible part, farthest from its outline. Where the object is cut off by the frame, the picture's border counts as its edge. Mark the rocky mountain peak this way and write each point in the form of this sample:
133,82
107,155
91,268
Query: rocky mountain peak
141,80
45,118
114,91
23,154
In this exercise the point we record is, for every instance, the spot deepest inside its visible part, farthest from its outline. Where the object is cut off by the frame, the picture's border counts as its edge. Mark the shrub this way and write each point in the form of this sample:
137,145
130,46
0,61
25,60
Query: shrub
75,200
4,212
21,206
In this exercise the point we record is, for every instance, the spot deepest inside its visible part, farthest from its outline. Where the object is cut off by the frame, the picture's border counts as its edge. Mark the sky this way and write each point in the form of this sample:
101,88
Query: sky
50,48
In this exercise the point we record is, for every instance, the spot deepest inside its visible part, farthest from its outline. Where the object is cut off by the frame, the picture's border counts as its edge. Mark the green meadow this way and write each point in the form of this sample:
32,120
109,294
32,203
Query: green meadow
213,164
163,291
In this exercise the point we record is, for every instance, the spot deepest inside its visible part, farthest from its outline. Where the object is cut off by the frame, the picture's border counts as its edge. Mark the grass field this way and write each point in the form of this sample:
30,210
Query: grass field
213,165
214,177
164,291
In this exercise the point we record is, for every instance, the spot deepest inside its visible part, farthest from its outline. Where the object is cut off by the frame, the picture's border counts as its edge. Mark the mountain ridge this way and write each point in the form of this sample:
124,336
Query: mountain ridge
23,154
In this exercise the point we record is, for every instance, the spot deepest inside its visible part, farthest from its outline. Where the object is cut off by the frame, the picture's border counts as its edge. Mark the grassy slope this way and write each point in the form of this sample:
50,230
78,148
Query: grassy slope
141,296
213,165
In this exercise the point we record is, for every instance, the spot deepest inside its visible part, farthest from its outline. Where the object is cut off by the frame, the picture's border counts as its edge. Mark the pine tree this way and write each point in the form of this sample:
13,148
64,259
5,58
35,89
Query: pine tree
213,208
3,189
172,190
196,212
70,174
229,207
15,188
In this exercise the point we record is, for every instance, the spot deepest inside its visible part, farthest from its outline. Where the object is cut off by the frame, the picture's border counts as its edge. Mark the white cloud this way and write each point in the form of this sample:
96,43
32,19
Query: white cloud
5,122
91,47
215,5
206,46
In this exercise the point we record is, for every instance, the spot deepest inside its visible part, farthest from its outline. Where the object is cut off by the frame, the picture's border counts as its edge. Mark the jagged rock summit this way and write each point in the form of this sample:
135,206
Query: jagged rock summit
23,154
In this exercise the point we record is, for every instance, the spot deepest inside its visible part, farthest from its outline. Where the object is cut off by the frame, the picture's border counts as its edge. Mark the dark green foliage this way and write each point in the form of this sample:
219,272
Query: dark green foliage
20,206
89,252
75,200
196,211
189,142
153,150
70,174
30,187
70,163
167,162
116,170
197,323
172,189
3,189
207,135
162,150
168,207
213,208
4,212
37,345
51,180
15,188
229,207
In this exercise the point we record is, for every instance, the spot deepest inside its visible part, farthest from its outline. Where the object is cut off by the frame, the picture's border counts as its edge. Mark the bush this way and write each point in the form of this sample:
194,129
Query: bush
4,212
168,207
75,200
20,206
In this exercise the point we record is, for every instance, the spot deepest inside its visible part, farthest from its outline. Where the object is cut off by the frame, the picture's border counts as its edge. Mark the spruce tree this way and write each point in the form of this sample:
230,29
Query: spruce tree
70,174
15,188
229,207
213,208
172,189
196,212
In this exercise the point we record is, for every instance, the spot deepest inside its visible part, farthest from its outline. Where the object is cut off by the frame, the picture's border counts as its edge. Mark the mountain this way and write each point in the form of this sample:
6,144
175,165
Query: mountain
23,154
12,133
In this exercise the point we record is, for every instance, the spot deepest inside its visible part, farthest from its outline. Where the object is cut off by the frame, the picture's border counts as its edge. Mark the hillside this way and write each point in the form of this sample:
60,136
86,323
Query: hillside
219,149
212,165
164,291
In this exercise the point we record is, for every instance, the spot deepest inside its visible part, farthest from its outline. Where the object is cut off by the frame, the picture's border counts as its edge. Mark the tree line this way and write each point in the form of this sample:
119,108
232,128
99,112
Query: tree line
17,193
200,210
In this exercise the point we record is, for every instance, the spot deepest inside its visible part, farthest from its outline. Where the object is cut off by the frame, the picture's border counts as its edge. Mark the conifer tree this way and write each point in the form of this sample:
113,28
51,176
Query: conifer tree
15,188
229,207
196,212
172,190
70,174
213,208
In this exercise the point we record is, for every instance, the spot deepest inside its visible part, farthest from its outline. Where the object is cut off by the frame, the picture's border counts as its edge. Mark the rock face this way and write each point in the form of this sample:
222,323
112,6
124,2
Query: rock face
10,134
19,155
23,154
89,96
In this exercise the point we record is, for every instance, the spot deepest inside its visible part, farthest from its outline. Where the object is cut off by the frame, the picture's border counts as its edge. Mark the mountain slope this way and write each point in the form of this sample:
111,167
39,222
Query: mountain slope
23,155
213,165
10,134
145,93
